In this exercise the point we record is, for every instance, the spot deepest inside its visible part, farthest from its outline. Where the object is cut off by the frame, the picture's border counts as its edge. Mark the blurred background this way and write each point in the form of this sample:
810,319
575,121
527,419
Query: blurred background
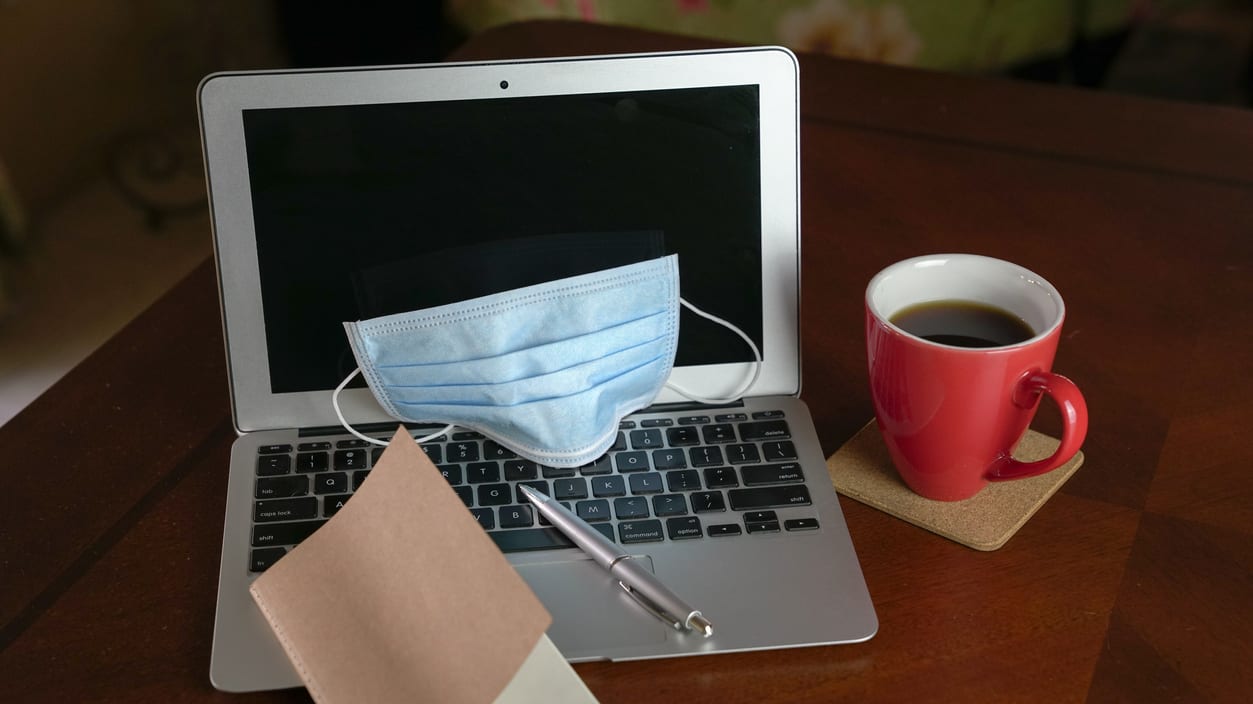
102,202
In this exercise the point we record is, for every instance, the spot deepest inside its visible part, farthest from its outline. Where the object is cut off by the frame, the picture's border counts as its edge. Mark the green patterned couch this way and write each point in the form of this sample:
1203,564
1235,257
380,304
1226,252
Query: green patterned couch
953,35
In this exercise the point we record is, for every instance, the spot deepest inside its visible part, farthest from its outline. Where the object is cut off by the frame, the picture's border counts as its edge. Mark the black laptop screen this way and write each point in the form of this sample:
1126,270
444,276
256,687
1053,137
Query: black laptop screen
365,210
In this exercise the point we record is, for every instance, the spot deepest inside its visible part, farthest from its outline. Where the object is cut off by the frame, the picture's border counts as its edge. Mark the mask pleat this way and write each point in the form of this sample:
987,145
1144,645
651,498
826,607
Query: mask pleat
533,361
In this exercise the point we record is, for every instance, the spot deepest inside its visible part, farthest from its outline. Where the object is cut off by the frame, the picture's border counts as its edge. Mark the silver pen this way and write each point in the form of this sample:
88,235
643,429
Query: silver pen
641,584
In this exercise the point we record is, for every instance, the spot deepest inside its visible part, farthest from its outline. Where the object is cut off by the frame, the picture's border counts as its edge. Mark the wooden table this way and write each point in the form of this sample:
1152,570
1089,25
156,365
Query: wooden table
1134,583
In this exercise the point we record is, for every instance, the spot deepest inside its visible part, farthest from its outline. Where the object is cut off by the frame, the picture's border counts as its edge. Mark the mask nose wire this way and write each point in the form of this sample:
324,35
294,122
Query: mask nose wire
340,415
748,384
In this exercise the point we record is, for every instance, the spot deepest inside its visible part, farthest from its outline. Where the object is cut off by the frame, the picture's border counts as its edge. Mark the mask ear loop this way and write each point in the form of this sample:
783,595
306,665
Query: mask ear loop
340,415
738,393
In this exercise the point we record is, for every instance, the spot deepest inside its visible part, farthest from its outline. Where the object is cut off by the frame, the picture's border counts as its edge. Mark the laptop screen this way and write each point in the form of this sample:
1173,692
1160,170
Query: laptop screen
367,210
346,194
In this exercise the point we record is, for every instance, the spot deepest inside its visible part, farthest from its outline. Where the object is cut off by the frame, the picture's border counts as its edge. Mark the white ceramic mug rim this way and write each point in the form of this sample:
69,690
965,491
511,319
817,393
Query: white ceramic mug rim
1047,289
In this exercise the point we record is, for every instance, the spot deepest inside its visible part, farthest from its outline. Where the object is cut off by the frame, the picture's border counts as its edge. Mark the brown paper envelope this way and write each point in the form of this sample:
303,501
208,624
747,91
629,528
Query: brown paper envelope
401,597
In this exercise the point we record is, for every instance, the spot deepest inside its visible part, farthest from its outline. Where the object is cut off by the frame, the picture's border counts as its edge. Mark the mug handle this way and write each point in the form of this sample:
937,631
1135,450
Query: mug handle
1074,425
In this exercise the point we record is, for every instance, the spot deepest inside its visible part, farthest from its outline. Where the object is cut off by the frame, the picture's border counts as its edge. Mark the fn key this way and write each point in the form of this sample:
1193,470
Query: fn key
260,560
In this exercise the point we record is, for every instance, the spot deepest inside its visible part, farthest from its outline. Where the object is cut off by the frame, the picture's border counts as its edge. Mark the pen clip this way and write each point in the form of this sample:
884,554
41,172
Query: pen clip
652,608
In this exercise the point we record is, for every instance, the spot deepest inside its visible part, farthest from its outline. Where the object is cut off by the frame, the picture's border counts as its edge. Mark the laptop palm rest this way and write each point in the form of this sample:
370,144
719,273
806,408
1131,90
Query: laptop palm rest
589,609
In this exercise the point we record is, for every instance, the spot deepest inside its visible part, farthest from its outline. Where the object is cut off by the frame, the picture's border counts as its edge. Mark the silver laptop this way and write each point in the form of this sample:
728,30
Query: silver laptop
343,194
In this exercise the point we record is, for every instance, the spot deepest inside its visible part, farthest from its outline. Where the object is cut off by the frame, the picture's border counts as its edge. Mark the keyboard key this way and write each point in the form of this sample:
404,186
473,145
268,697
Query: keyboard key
718,433
282,487
730,417
646,483
787,473
573,488
680,437
359,477
693,420
482,472
557,472
312,446
631,461
626,424
462,452
351,443
451,472
538,485
465,493
494,494
312,462
608,486
766,415
520,470
640,532
420,433
669,505
493,450
683,480
761,522
721,529
543,520
285,510
273,449
332,504
516,517
719,477
762,526
669,459
604,465
261,560
775,451
630,507
742,454
530,539
765,430
330,483
283,533
801,524
435,453
271,465
769,497
645,439
708,501
684,528
592,510
350,459
656,423
462,435
619,443
705,456
485,516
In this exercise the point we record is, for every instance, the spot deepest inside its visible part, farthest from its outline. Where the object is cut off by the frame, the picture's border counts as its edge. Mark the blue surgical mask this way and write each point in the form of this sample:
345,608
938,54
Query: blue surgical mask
547,371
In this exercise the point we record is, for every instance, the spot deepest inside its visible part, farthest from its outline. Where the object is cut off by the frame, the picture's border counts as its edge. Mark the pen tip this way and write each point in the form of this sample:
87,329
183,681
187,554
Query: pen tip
527,491
700,624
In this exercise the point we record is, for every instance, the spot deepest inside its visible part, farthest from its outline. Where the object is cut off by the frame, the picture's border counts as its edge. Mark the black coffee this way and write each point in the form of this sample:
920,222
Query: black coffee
963,324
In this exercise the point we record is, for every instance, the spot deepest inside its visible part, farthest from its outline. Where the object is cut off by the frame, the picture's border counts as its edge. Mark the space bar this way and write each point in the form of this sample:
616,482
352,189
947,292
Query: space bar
530,539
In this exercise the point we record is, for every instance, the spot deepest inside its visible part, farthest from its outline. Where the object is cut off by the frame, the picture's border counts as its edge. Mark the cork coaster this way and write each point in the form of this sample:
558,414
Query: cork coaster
862,470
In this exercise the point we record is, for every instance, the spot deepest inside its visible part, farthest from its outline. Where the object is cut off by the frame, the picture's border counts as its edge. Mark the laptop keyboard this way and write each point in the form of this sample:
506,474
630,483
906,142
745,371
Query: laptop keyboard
665,478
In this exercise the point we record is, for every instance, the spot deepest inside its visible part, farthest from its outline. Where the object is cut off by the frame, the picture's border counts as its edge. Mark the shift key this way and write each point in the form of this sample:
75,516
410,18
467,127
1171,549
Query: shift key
769,497
285,509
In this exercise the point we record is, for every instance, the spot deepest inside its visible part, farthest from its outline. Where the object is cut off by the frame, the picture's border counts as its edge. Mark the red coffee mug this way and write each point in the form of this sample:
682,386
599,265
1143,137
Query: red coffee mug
951,415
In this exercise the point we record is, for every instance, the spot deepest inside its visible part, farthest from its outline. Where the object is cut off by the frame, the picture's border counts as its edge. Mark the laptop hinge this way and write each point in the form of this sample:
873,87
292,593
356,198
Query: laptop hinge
689,406
385,427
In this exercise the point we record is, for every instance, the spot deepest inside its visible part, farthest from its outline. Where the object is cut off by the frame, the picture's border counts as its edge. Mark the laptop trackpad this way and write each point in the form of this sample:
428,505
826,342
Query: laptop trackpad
591,613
